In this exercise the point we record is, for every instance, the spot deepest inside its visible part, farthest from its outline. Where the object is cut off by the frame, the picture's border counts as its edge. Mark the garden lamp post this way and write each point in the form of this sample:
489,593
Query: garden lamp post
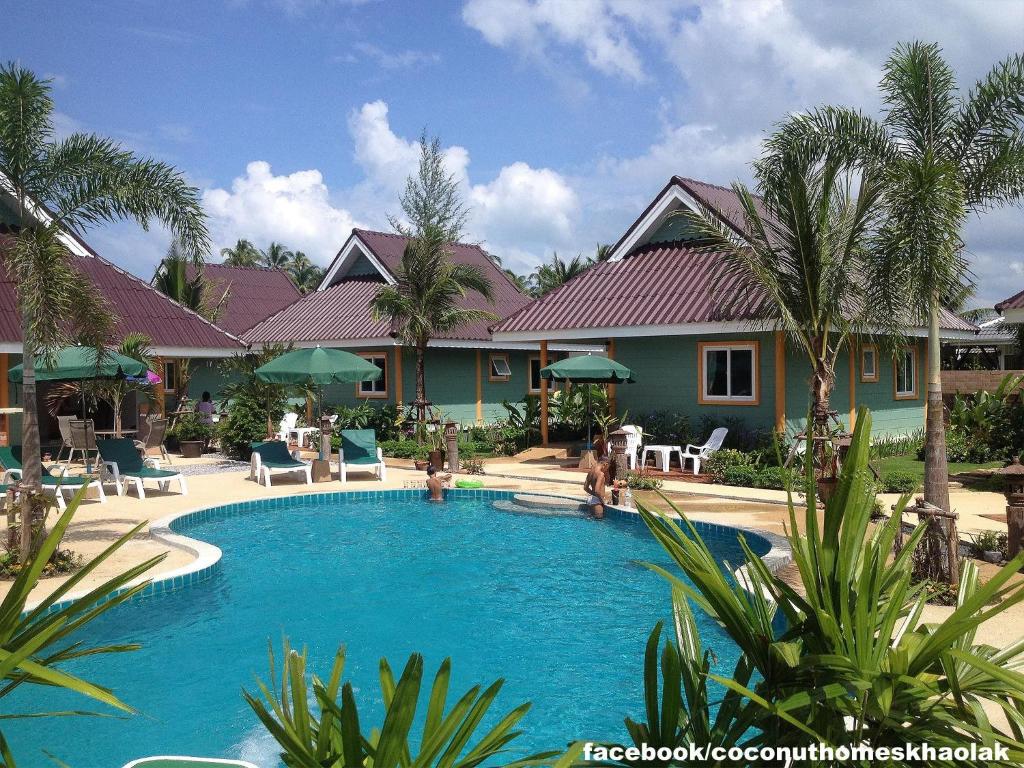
617,445
451,439
1013,489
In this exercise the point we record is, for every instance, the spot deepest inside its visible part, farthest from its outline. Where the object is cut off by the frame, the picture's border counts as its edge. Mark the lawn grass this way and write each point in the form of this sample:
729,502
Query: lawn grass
915,467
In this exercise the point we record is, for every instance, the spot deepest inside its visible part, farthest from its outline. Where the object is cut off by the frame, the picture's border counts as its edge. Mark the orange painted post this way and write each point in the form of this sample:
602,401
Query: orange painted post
780,381
158,389
543,395
612,406
5,400
479,387
853,388
398,377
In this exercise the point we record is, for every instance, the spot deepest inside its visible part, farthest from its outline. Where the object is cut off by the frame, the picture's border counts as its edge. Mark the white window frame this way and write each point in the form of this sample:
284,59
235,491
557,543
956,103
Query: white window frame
869,377
493,373
171,381
729,348
901,365
529,375
376,358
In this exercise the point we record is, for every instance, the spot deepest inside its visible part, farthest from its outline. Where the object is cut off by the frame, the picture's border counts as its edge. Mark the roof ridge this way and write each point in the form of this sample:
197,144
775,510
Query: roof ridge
150,287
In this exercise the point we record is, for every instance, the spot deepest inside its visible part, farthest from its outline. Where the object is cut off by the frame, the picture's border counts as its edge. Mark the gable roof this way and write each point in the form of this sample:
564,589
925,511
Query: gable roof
651,288
1014,302
340,309
254,294
139,307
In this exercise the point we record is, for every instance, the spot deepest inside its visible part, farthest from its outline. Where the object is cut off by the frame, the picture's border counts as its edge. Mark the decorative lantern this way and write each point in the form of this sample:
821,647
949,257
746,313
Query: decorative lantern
1013,489
451,439
617,444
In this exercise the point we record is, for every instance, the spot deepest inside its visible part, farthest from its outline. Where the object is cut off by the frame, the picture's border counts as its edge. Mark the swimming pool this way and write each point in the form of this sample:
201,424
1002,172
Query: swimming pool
555,604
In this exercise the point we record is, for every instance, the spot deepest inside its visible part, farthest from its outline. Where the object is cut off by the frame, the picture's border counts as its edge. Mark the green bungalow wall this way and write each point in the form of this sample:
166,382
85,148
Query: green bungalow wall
666,372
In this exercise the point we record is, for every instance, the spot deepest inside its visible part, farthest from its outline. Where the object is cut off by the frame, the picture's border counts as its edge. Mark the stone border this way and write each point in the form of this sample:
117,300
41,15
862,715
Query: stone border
208,556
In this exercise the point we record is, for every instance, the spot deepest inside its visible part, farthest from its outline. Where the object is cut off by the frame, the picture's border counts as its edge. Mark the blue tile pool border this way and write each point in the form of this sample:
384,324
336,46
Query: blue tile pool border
171,530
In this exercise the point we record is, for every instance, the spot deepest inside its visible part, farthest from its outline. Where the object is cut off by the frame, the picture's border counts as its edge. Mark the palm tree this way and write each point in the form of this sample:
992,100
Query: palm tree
304,273
602,253
116,391
243,254
67,185
172,279
940,155
424,302
277,256
557,273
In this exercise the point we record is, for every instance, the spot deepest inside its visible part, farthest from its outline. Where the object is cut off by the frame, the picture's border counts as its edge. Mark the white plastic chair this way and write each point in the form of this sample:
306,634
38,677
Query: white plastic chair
698,452
634,439
287,426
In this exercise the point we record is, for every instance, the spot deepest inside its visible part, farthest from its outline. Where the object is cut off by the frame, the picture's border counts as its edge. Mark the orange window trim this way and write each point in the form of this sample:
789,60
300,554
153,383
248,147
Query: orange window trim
752,344
866,378
490,369
383,355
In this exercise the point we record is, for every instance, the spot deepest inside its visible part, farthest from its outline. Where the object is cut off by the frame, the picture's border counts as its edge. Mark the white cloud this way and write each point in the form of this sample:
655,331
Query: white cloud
532,27
391,60
294,209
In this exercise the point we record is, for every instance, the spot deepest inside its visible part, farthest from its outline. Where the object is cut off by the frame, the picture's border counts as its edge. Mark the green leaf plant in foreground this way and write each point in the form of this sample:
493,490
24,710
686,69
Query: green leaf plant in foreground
317,723
855,662
36,643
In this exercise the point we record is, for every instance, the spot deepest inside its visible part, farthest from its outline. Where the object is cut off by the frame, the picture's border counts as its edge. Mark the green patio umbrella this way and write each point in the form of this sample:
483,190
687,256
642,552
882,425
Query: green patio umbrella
80,363
588,369
320,366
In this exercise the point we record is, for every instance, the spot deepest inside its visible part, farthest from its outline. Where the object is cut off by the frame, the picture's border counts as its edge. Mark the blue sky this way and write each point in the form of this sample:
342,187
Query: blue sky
562,117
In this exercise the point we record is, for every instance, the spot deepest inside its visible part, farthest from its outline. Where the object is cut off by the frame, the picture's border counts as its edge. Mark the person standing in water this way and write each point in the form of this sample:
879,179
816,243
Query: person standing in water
434,483
596,487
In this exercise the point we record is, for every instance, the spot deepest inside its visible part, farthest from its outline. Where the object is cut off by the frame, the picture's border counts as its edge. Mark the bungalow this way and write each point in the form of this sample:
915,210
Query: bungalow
653,307
468,374
178,334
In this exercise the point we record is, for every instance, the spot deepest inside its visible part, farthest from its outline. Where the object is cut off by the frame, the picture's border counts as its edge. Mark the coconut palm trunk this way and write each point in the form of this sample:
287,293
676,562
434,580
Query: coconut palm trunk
30,444
936,470
421,384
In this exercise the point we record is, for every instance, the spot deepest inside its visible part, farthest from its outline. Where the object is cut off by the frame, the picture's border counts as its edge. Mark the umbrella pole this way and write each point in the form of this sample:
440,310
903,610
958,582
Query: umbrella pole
590,418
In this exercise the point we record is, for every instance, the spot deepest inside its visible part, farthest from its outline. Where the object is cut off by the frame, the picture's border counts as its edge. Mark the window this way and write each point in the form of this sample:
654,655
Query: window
378,388
905,373
170,375
728,373
869,363
497,368
534,383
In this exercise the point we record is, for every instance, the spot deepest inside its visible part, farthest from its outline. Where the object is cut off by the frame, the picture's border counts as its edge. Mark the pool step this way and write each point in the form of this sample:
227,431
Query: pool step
546,502
506,505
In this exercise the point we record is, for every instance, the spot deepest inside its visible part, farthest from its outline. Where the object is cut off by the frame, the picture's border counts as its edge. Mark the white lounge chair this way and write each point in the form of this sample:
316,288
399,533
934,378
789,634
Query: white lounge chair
359,452
272,457
696,453
122,460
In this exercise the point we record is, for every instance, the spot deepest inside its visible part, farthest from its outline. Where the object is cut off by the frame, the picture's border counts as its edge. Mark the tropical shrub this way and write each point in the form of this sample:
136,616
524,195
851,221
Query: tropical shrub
317,722
395,449
37,645
960,449
190,426
665,427
848,645
898,445
246,423
718,462
642,480
899,481
755,476
524,416
989,541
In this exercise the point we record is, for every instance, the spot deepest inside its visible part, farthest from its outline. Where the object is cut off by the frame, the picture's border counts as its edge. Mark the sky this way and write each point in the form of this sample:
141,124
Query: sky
562,119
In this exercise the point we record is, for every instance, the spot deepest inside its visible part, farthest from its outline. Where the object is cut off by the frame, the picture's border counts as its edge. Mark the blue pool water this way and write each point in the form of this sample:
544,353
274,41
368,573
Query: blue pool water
557,605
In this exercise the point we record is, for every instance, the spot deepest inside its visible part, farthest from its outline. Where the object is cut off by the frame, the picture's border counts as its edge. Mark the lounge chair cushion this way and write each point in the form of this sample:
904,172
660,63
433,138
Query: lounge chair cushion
123,452
359,446
274,454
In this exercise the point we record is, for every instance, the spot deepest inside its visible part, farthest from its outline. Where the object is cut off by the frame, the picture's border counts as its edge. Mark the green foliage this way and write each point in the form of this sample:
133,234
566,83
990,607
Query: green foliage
242,254
318,723
899,481
898,445
989,541
556,273
851,659
642,480
246,423
725,458
402,449
190,426
36,645
524,416
471,465
665,427
755,476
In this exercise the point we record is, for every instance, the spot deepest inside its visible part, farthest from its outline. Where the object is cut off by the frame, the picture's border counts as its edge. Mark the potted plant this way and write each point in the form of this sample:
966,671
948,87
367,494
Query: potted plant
193,434
988,546
436,455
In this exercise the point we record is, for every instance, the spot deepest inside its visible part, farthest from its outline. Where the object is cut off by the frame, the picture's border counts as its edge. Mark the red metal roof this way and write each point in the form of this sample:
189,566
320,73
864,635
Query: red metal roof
657,284
255,294
138,305
1014,302
342,310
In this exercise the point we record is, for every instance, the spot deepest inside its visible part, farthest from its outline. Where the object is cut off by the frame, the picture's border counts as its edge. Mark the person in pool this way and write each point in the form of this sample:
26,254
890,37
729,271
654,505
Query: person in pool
435,483
596,487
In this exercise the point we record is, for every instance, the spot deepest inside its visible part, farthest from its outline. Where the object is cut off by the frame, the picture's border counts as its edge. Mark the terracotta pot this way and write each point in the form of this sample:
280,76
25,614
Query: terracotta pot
827,487
191,449
436,459
421,465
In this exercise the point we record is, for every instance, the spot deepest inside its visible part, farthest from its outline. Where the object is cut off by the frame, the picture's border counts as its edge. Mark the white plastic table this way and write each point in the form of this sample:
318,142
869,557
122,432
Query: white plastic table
301,433
662,454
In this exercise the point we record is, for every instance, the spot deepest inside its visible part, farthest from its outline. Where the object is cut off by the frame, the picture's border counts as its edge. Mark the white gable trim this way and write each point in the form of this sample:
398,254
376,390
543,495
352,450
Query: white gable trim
43,216
654,218
353,248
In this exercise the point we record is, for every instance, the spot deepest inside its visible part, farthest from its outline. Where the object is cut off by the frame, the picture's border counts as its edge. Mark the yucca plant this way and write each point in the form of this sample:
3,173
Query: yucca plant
855,663
317,723
36,643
